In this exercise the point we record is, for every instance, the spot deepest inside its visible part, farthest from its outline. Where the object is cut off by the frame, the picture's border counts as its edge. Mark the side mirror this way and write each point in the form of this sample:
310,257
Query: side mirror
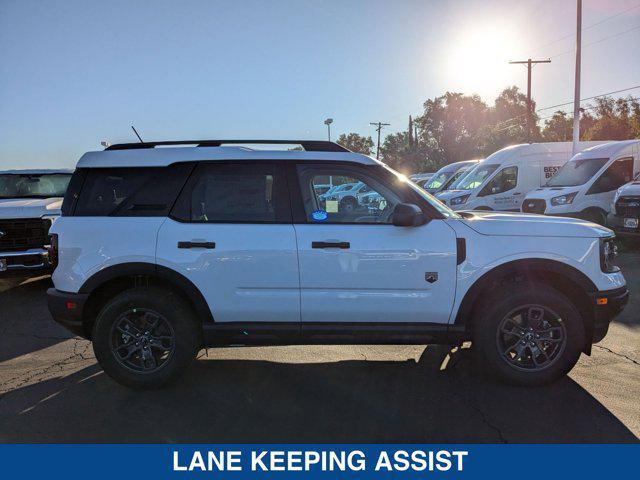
408,215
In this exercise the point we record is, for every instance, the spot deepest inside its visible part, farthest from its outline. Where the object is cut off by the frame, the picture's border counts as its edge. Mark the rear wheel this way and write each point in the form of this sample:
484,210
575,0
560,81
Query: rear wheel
531,335
146,337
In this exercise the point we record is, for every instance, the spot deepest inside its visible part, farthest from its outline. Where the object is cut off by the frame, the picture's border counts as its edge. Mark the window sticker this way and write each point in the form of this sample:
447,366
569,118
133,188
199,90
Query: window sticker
331,206
319,216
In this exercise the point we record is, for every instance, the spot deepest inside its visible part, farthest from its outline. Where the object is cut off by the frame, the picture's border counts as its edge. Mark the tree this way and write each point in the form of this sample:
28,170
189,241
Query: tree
404,157
356,143
559,128
450,125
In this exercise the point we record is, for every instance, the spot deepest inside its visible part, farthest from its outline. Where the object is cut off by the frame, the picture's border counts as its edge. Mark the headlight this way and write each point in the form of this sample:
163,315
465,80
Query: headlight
51,218
608,252
563,199
460,200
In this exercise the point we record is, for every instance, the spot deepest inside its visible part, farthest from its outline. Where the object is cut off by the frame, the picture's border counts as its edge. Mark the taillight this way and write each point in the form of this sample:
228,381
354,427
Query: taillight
53,250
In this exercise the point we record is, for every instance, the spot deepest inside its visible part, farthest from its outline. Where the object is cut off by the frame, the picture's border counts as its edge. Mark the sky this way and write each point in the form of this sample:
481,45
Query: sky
75,73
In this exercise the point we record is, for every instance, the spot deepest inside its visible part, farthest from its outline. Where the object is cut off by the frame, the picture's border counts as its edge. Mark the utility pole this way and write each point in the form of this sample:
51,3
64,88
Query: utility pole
379,126
530,63
576,91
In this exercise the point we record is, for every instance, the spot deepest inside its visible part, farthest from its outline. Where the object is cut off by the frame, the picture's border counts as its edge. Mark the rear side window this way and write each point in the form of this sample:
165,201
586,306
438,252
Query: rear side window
131,192
235,193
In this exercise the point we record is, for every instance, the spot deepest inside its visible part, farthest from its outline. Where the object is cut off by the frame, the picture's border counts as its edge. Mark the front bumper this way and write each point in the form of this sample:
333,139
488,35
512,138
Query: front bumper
67,309
32,262
606,306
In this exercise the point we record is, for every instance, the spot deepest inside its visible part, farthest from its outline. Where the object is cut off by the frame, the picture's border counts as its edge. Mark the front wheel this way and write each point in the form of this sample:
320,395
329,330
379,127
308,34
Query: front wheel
532,335
146,337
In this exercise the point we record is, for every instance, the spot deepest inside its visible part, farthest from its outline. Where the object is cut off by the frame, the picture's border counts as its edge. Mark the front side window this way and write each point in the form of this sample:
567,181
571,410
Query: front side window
576,172
476,177
233,193
505,180
34,185
618,173
366,201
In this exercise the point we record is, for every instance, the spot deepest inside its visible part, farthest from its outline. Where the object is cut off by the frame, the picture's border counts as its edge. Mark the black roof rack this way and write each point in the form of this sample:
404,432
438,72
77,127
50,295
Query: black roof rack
307,145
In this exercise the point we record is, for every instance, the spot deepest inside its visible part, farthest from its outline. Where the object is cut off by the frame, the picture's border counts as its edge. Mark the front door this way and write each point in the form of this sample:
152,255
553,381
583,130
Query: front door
231,235
356,266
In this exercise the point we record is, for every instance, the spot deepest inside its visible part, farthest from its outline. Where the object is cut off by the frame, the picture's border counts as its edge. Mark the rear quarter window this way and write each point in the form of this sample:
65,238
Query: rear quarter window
131,192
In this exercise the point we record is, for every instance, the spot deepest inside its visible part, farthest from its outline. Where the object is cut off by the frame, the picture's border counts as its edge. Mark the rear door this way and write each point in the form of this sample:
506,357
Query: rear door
231,235
356,266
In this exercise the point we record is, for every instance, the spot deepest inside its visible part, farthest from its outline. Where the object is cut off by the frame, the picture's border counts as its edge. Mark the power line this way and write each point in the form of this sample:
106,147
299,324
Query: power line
567,103
379,126
542,47
597,41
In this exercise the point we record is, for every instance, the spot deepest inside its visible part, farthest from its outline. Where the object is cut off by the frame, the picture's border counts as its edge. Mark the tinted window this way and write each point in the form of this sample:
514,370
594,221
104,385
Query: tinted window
233,193
618,173
577,172
131,192
367,201
503,181
34,185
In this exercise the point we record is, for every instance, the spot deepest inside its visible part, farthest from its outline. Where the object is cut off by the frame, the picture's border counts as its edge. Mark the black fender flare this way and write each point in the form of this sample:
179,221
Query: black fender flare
532,267
167,275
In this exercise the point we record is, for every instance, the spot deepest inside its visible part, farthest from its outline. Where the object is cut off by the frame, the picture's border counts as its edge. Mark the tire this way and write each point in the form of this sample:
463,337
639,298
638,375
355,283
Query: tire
348,204
154,360
595,216
538,305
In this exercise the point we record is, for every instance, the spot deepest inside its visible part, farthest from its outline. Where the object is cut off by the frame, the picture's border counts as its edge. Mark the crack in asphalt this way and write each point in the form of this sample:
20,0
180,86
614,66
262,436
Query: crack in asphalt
78,355
606,349
454,360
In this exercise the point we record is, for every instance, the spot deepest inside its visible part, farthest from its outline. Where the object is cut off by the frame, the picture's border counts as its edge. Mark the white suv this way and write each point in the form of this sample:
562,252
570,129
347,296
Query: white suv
165,250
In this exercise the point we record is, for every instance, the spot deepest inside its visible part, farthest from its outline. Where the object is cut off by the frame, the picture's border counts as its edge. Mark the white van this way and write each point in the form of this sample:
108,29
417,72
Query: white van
586,185
502,180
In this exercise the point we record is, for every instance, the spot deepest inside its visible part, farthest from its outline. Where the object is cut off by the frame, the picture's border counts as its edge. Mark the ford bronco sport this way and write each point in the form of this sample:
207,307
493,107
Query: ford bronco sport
162,251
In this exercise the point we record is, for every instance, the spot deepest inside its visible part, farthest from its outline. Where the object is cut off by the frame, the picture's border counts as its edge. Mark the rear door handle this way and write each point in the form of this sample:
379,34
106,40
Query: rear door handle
518,193
207,245
343,245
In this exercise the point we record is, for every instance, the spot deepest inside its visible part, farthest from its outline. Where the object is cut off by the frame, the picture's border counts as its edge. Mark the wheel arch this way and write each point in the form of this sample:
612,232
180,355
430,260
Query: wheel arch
564,278
112,280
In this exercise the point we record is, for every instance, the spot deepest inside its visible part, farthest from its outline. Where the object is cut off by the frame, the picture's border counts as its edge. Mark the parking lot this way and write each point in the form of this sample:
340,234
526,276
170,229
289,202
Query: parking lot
52,390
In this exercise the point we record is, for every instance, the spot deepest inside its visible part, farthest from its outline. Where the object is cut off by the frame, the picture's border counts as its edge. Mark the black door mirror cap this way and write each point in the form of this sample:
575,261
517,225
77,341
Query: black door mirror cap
408,215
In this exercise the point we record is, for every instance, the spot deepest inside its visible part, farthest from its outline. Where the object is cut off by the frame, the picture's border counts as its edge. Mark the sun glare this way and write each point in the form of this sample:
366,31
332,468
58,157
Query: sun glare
479,60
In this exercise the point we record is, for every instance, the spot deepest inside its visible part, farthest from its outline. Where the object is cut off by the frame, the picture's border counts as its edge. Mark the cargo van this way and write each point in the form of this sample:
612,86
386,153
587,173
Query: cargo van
447,175
502,180
586,186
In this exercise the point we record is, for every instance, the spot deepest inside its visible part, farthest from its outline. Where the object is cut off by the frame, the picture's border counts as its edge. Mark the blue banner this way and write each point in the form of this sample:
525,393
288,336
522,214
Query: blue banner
349,461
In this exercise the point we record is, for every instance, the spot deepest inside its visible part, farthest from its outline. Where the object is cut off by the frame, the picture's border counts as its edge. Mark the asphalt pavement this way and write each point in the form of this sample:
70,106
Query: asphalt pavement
52,390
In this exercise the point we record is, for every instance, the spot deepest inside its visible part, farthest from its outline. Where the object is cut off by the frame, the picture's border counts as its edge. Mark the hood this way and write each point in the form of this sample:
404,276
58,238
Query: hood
630,189
524,224
546,193
29,207
449,194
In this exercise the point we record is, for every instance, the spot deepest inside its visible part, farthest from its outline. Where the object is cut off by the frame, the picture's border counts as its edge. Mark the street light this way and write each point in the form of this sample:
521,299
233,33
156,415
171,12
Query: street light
328,123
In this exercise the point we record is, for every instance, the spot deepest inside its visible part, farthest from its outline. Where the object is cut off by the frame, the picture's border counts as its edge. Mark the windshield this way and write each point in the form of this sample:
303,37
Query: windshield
576,172
435,203
454,178
34,185
439,179
475,177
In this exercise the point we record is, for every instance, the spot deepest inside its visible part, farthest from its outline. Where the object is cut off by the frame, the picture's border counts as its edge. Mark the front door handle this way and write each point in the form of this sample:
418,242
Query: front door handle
207,245
518,193
343,245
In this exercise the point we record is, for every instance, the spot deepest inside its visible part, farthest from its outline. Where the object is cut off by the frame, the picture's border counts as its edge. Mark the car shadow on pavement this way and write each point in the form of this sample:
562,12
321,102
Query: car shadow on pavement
442,398
25,323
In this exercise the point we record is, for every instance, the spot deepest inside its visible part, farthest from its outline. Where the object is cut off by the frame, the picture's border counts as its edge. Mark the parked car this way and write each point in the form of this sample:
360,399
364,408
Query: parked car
30,201
502,180
585,187
421,179
625,211
162,251
347,197
448,174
